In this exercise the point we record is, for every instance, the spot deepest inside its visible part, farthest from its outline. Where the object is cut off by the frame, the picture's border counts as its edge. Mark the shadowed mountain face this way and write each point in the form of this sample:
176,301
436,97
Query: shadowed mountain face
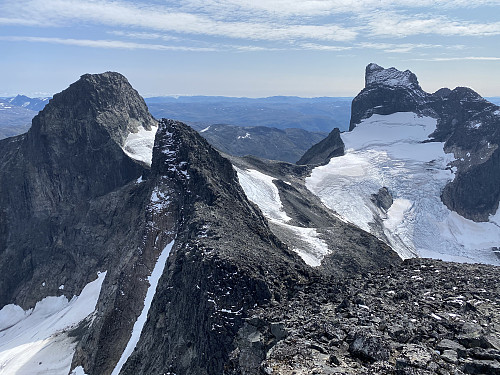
51,180
322,152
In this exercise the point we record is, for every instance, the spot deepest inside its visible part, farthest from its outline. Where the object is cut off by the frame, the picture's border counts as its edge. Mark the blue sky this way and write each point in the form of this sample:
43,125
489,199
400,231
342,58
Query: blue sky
248,48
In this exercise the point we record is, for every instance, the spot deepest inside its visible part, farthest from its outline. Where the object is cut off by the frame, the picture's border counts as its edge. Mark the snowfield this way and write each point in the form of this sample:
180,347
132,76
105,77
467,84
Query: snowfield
139,146
261,190
36,341
388,151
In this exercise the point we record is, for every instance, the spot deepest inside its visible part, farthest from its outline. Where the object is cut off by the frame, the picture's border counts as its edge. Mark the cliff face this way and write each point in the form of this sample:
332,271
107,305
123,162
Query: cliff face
55,180
468,124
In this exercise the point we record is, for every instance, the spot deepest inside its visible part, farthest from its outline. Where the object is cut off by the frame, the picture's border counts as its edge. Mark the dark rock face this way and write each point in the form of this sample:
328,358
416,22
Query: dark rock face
383,199
58,187
215,272
467,124
387,91
322,152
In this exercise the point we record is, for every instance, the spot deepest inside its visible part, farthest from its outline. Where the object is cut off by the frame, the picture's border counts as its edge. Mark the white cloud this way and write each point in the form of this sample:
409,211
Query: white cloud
102,43
142,35
312,24
59,12
20,21
475,58
285,8
392,24
322,47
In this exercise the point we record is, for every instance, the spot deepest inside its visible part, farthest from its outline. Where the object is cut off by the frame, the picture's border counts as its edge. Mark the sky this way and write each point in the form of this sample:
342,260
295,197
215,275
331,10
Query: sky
252,48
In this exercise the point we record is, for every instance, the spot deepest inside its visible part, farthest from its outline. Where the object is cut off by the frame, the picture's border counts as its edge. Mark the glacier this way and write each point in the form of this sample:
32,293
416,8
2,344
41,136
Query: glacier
37,341
395,151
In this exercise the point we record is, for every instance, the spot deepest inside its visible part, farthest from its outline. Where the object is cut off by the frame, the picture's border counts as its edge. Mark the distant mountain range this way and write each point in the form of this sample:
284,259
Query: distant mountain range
278,127
282,112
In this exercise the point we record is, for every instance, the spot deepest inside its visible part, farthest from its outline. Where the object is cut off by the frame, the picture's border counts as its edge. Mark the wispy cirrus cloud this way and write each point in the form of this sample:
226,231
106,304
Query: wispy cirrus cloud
327,25
459,58
308,8
323,47
142,35
393,24
115,44
60,13
407,47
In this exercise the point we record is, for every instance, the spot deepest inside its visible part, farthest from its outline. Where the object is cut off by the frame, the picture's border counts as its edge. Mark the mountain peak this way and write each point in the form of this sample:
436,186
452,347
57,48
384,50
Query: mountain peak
94,103
377,75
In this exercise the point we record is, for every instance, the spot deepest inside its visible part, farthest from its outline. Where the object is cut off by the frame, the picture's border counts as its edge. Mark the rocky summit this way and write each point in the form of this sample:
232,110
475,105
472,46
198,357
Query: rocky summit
131,246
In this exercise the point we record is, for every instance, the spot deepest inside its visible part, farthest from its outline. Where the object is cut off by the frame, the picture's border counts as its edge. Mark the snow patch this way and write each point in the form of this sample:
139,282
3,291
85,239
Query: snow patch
388,151
247,135
159,200
204,130
139,146
496,217
261,190
141,320
307,244
36,341
78,371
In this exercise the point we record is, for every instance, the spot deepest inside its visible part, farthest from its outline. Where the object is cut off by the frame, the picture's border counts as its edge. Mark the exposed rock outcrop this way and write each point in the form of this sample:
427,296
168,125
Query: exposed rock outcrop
383,198
322,152
215,272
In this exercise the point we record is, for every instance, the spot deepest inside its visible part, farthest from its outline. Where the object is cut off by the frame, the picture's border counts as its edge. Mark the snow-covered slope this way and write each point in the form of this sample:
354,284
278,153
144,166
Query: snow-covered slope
36,341
388,151
139,146
262,191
